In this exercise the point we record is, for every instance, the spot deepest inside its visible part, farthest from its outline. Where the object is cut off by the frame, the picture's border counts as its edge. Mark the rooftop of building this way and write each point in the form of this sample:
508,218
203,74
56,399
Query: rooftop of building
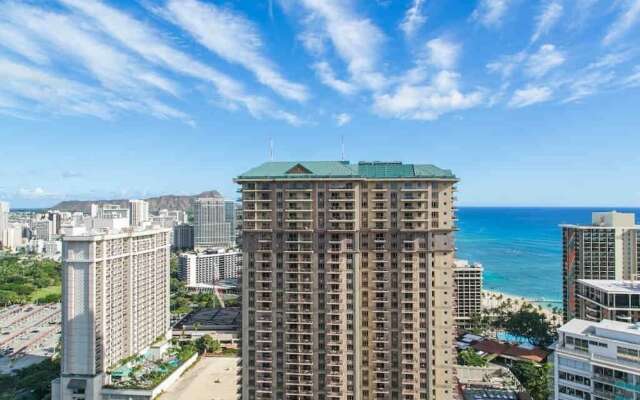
228,318
614,287
467,264
608,219
502,349
493,394
492,376
606,329
344,169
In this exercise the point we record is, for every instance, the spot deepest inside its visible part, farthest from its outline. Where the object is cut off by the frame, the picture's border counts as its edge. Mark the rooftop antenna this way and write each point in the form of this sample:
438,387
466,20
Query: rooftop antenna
271,149
342,147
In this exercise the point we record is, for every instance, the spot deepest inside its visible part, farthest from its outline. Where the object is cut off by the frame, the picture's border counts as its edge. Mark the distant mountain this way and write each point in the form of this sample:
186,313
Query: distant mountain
169,202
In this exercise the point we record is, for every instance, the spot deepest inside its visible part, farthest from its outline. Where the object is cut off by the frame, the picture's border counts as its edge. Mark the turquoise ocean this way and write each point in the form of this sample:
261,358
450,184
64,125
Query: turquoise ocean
520,248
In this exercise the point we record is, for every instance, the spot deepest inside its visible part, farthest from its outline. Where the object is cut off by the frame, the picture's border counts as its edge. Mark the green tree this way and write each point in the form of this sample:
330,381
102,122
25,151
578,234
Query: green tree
535,378
207,344
471,358
531,324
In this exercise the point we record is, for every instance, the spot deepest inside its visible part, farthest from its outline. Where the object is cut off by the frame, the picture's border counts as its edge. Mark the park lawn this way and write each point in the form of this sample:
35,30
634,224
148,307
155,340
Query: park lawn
41,293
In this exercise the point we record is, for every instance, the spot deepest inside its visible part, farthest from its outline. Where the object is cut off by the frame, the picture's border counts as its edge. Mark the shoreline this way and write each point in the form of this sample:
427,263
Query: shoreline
493,298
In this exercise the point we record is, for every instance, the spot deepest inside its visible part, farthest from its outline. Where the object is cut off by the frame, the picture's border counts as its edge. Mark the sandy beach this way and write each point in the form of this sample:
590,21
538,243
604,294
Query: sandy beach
492,299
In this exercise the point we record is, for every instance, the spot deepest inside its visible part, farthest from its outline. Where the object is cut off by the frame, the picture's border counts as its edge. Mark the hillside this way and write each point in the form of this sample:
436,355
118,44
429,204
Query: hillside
169,202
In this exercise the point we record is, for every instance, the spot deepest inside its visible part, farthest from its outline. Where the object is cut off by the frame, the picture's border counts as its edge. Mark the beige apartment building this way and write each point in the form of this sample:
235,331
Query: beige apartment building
347,283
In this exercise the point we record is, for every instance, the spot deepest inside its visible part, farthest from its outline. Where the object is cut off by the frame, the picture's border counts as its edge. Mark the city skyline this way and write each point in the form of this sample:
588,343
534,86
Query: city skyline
531,103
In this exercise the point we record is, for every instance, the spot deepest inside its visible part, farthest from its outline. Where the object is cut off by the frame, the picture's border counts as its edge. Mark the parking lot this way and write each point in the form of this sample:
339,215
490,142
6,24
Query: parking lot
28,335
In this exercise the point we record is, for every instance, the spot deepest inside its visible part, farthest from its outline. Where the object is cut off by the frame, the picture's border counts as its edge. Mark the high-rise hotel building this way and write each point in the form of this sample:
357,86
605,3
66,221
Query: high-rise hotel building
211,229
115,303
608,249
347,281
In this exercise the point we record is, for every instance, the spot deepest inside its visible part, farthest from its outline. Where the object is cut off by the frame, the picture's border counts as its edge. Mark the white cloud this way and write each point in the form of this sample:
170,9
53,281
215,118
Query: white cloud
235,39
34,193
625,21
443,53
414,18
342,119
530,95
490,12
549,16
113,68
506,65
633,80
427,101
53,93
327,76
14,40
144,41
356,39
587,84
313,42
546,59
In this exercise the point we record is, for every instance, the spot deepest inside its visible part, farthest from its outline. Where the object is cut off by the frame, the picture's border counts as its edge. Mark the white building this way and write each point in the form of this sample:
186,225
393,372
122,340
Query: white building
138,212
4,223
207,268
43,229
597,360
210,227
115,303
109,211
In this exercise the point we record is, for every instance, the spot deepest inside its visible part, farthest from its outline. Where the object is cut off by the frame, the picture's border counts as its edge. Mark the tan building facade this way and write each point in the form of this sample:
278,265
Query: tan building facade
347,284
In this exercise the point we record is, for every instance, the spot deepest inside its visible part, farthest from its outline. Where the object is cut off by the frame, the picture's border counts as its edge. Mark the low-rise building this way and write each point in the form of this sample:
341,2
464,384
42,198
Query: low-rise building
222,324
492,382
597,360
468,280
604,299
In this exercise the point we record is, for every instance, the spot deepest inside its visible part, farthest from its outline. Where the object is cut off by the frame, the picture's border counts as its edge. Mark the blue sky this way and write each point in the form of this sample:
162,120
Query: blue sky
529,102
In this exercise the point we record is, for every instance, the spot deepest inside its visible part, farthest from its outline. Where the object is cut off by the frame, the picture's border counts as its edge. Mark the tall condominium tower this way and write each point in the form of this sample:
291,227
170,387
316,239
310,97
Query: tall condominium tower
138,212
607,249
347,281
115,303
210,227
230,217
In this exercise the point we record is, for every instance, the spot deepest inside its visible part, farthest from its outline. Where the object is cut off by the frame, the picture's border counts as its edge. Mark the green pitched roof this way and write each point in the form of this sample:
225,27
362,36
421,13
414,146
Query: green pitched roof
342,169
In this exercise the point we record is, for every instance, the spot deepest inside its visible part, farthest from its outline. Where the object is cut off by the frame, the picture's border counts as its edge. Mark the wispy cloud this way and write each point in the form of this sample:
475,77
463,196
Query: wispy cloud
144,41
52,93
235,39
530,95
328,77
355,38
547,18
490,12
414,18
342,119
14,40
544,60
625,21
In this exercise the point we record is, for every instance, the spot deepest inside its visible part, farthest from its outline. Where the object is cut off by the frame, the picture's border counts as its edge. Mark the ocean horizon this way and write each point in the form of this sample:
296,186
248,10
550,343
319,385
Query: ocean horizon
520,247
